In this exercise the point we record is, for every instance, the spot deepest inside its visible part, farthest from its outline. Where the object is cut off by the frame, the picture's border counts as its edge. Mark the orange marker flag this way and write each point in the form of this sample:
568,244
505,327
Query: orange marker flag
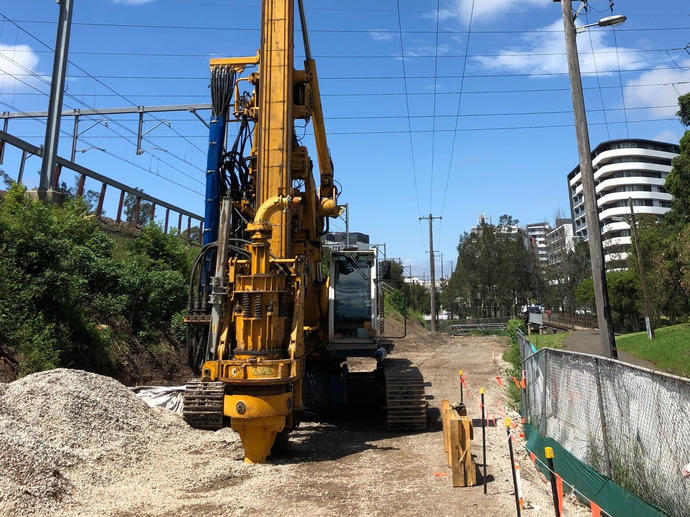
524,383
596,511
517,384
533,457
559,490
499,381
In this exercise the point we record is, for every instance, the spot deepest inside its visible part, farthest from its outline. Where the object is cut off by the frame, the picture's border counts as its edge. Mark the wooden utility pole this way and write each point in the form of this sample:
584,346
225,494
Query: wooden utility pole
596,250
432,270
643,278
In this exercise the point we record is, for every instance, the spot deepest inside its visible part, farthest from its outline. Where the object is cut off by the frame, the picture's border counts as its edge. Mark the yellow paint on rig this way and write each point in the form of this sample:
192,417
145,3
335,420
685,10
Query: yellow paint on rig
257,420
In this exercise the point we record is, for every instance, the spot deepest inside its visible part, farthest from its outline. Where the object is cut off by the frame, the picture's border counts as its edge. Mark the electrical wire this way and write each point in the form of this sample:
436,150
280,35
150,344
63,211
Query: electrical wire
409,120
87,142
70,96
433,109
331,30
601,94
31,35
380,77
388,94
459,130
457,115
620,81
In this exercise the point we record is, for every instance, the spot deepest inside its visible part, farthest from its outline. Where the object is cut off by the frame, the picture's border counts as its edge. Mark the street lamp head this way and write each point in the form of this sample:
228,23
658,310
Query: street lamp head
611,21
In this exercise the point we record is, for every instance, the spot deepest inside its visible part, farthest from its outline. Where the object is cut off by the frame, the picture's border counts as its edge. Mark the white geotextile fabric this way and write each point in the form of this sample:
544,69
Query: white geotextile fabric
169,397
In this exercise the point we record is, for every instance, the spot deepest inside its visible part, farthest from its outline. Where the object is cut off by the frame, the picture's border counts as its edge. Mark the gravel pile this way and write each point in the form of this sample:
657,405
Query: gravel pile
52,422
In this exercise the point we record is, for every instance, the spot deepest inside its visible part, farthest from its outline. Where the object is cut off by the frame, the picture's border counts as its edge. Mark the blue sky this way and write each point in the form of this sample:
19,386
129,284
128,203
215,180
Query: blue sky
504,146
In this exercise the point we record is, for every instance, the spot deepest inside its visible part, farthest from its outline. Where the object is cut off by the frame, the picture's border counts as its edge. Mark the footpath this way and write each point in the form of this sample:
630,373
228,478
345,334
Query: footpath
588,342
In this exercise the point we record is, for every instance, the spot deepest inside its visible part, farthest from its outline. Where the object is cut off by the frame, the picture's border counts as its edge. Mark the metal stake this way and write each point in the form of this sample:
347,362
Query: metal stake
481,392
512,466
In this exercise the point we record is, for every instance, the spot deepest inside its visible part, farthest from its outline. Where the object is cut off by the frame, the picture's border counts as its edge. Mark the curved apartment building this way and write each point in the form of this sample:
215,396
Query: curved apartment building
623,169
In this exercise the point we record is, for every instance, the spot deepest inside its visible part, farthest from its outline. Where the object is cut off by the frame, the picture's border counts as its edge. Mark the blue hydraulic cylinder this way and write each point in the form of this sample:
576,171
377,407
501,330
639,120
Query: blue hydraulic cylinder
213,180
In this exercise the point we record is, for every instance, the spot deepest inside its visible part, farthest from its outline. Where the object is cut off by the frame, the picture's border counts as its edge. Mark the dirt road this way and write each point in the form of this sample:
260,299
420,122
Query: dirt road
333,467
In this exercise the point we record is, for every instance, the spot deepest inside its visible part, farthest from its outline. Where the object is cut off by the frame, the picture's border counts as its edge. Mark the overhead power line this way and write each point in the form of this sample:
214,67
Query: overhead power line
109,88
113,155
373,77
457,114
386,94
348,56
333,30
409,121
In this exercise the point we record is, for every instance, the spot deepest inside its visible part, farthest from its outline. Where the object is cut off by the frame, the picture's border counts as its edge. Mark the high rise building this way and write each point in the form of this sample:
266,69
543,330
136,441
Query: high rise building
623,169
536,240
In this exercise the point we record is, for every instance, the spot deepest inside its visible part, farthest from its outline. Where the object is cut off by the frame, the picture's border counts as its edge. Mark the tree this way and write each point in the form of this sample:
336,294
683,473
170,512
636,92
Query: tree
564,275
494,271
144,218
678,180
624,298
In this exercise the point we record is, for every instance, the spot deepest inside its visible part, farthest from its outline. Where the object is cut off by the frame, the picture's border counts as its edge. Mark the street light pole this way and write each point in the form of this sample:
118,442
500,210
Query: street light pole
643,278
596,250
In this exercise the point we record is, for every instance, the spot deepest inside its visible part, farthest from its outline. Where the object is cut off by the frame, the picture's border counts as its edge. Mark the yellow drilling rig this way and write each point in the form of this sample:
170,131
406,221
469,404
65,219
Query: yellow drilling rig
269,331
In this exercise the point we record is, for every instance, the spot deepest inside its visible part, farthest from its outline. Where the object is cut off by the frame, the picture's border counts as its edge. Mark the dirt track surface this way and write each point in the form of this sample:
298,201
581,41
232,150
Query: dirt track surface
333,467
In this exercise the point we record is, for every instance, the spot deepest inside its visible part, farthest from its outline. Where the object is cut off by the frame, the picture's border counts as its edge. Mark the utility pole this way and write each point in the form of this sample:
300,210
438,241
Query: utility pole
643,278
57,88
596,250
432,271
347,224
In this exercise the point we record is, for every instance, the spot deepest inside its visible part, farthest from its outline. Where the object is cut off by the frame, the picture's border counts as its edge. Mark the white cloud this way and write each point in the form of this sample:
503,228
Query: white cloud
133,2
15,62
381,36
671,84
460,9
667,136
544,53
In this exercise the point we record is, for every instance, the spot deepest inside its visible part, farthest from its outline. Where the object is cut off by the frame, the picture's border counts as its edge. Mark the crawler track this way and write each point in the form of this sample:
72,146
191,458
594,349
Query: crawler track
405,398
203,405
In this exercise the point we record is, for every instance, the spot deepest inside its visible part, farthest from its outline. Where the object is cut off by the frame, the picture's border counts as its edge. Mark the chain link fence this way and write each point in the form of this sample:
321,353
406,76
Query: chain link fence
626,422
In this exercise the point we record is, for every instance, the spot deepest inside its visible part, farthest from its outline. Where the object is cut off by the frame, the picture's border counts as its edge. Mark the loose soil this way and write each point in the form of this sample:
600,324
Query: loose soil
78,444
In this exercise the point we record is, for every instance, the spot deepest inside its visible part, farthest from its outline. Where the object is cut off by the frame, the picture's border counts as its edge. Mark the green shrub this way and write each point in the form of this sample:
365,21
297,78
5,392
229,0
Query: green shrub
60,275
512,356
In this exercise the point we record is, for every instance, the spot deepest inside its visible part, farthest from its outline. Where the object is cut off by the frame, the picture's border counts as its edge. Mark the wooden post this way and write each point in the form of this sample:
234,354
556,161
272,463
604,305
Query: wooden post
189,228
119,206
137,206
179,225
80,186
445,406
167,216
101,198
464,468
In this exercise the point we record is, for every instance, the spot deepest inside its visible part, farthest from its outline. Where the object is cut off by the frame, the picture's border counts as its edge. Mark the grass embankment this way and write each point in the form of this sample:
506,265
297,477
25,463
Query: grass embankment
670,351
549,340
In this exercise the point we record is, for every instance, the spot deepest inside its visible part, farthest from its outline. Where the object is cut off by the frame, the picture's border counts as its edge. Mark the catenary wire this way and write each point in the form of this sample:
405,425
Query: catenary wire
409,121
31,35
433,108
601,93
457,115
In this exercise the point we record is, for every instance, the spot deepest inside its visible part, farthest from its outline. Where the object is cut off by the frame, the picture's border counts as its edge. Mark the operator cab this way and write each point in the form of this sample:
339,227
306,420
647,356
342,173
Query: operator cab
354,303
